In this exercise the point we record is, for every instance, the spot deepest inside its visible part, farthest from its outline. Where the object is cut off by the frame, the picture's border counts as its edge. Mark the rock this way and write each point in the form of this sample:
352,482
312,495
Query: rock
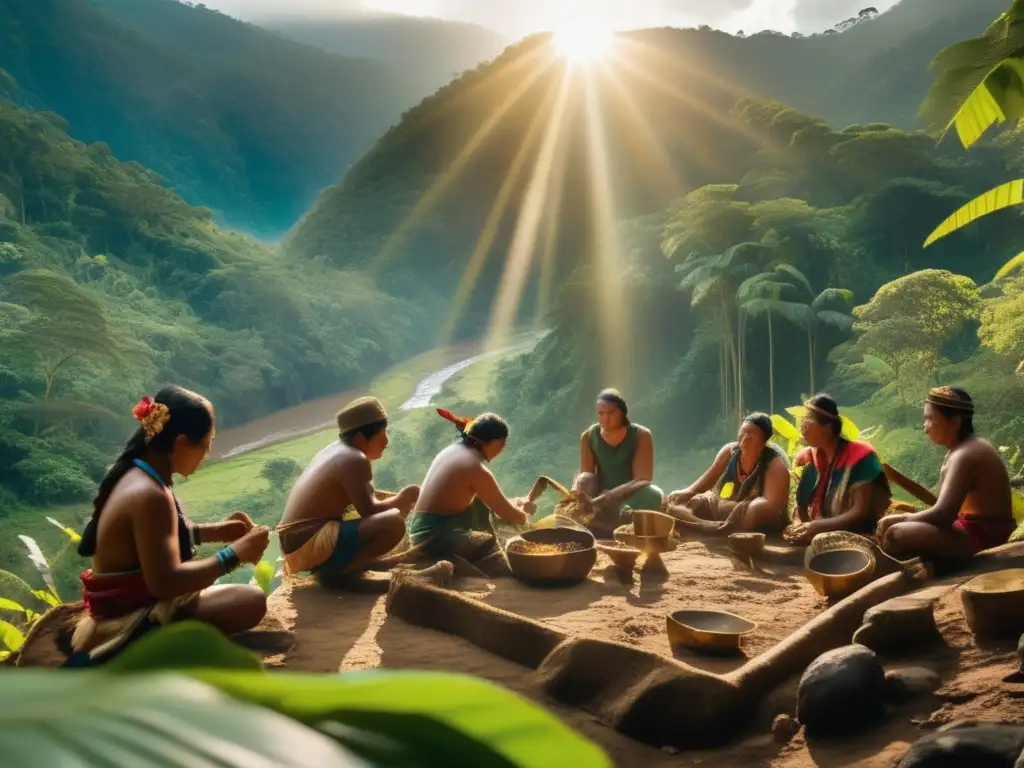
784,728
904,684
1018,676
968,743
841,691
902,624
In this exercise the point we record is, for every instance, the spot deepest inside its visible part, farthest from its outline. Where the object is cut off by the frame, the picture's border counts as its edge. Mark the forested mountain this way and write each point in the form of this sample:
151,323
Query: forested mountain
235,118
715,185
431,52
110,285
671,90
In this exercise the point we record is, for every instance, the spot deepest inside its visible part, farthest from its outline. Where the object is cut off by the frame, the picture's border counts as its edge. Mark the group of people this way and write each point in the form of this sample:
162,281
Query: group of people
145,570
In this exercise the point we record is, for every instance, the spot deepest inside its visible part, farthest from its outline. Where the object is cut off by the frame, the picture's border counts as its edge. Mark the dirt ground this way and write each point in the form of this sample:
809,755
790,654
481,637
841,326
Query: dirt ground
344,631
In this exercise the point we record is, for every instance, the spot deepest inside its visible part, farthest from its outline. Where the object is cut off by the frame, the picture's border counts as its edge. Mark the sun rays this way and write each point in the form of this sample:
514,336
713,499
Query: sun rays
586,125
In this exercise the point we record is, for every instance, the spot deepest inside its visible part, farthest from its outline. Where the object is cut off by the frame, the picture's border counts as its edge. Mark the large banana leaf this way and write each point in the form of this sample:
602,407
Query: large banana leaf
1003,196
999,97
406,719
86,719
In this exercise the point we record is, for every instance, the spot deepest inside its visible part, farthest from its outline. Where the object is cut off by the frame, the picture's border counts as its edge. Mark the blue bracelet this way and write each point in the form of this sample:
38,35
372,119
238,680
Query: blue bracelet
228,559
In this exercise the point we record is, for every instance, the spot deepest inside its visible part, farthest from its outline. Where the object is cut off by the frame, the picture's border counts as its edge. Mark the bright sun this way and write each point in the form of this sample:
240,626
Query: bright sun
582,42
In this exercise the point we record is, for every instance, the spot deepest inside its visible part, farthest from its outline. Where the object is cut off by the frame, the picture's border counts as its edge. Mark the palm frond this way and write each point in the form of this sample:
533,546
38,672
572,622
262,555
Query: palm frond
795,313
1005,195
797,275
836,320
762,286
833,295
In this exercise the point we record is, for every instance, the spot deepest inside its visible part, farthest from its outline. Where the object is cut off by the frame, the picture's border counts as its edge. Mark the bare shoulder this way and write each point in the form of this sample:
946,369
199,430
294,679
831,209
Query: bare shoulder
349,461
975,450
137,494
644,434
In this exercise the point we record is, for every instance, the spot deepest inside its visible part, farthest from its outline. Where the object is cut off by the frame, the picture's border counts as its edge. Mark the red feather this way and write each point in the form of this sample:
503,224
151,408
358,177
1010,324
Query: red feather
456,420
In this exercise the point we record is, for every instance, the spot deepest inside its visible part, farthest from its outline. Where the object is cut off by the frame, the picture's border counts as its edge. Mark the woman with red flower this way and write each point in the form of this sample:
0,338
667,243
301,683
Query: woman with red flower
144,568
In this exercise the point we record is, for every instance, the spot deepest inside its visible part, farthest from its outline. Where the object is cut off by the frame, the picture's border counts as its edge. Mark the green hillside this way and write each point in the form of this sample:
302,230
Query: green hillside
234,117
111,285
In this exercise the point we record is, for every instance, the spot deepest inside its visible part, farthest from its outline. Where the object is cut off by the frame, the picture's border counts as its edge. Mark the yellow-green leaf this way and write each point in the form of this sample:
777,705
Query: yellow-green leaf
797,412
263,575
47,597
10,636
10,605
849,430
1014,264
1003,196
71,533
997,99
1018,508
784,429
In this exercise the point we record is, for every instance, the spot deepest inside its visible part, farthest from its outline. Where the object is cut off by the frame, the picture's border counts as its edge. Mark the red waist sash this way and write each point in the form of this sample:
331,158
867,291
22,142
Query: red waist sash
116,595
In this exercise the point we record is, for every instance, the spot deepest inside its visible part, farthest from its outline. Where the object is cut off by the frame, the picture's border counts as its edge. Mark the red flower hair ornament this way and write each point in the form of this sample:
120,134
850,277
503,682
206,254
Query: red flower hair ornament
153,416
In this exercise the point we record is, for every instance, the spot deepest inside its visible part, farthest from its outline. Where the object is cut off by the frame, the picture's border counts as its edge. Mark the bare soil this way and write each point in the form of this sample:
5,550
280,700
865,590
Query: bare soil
345,631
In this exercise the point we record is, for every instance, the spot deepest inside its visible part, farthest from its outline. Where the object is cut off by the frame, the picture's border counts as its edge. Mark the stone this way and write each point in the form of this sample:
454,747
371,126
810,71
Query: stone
905,684
968,743
841,691
1018,676
784,728
902,624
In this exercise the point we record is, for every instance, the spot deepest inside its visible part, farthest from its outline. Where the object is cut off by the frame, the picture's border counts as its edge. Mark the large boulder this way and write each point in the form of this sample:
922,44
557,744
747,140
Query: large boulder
968,743
841,691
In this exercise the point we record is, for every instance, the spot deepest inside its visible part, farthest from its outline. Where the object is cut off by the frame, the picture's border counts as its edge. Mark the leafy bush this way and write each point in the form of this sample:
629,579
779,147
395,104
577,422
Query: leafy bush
280,472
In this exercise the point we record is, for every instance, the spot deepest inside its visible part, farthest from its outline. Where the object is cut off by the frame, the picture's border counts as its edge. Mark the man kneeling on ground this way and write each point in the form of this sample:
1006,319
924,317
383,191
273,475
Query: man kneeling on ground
747,486
457,482
974,508
313,533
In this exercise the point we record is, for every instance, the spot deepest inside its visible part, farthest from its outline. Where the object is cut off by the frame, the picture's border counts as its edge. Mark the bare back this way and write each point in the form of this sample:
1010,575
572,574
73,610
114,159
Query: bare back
453,481
975,472
135,494
326,488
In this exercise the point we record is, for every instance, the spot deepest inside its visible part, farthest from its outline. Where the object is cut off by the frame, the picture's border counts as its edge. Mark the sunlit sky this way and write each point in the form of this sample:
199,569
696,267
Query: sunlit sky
516,18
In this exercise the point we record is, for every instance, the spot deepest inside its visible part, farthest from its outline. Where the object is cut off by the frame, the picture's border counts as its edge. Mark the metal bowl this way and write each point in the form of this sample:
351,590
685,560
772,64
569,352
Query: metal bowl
558,568
649,545
707,631
746,545
647,522
839,572
622,555
993,604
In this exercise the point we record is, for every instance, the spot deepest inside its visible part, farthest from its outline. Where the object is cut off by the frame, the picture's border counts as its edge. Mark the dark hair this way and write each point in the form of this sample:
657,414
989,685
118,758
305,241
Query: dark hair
190,415
827,404
763,422
966,418
485,428
367,431
612,397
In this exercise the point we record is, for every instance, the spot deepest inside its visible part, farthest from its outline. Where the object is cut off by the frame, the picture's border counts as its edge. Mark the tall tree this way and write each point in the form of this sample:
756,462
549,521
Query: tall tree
63,323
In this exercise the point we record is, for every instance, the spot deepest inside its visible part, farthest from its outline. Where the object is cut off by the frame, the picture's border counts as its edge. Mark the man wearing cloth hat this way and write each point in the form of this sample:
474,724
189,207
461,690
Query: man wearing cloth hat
313,533
974,508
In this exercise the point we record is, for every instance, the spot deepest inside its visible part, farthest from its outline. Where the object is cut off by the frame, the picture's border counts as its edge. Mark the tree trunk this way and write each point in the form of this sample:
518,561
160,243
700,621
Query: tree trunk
810,356
771,366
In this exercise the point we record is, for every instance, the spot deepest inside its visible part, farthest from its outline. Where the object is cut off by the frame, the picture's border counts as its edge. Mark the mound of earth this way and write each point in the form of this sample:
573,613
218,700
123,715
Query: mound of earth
340,631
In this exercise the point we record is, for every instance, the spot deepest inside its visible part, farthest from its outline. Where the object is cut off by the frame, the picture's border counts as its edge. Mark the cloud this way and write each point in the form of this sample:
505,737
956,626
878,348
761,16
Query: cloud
816,15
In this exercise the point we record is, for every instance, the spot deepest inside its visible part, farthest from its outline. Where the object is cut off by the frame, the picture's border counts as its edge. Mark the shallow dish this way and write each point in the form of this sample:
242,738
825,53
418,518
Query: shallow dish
707,631
839,572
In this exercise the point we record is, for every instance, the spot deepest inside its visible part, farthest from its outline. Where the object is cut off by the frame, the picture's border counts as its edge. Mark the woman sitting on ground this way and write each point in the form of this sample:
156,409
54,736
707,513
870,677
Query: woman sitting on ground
974,508
747,486
617,459
144,568
457,482
843,486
